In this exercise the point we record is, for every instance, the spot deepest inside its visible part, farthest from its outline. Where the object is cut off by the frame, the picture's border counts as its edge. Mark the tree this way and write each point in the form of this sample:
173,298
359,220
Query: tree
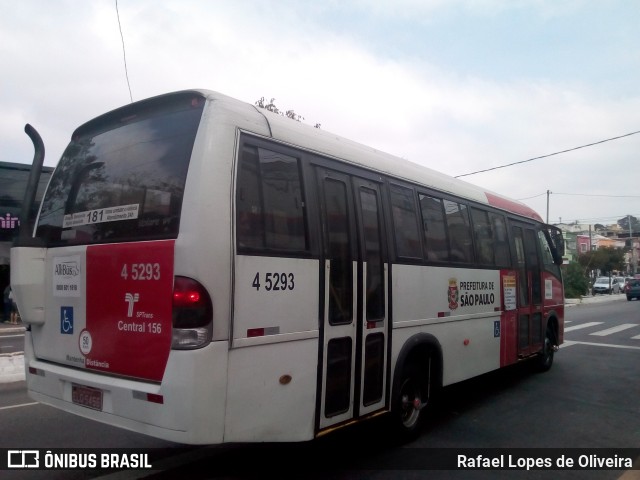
632,221
576,282
605,259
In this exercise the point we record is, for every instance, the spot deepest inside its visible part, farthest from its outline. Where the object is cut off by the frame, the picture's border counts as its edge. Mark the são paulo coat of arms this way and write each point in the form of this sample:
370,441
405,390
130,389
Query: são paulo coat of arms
453,294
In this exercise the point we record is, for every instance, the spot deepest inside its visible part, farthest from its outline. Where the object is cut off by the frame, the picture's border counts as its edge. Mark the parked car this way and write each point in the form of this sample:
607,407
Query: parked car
605,285
632,289
621,283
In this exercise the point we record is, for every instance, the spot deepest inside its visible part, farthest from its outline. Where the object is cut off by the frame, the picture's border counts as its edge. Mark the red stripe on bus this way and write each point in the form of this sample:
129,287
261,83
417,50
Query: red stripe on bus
512,206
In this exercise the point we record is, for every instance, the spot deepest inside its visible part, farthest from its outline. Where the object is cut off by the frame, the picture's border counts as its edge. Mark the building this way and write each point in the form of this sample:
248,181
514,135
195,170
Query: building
579,239
13,184
583,244
570,249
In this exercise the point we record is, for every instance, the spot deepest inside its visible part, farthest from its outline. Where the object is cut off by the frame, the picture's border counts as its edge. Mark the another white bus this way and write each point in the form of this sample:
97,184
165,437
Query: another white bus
205,271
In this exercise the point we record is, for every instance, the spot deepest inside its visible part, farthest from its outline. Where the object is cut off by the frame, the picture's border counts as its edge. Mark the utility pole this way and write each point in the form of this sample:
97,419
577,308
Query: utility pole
548,192
633,247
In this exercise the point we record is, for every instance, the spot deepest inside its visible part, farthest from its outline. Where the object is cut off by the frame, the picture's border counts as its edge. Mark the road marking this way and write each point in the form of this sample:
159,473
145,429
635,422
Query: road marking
20,405
583,325
568,343
619,328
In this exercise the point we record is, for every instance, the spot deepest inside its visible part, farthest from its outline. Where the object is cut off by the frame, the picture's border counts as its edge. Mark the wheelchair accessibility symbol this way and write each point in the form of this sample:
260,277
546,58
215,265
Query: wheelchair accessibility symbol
66,320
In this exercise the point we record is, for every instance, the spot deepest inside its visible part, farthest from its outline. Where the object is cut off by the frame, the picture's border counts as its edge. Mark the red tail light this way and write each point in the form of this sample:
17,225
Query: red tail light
187,298
192,314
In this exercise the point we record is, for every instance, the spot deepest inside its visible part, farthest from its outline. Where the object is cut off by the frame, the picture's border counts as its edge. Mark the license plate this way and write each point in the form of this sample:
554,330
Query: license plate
86,396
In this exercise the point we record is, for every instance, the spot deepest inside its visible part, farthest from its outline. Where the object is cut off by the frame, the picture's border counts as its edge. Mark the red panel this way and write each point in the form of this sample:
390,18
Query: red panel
512,206
554,300
129,303
508,339
508,318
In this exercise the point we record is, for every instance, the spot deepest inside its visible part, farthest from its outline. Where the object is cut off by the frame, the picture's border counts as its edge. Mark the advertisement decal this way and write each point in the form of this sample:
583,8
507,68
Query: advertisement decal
129,306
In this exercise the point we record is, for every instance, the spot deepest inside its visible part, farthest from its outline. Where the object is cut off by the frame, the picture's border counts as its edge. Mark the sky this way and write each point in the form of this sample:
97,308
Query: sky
460,86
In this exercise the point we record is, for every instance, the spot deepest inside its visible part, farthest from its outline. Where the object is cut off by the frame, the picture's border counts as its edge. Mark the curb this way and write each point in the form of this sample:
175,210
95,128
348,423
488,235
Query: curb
18,329
589,300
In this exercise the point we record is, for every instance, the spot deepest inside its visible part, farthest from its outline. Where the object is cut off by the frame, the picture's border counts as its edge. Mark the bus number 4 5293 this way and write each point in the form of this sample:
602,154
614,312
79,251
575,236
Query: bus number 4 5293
275,281
141,271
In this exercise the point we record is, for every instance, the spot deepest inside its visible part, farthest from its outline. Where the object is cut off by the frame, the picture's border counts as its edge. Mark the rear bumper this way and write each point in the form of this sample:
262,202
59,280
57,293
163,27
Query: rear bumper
181,415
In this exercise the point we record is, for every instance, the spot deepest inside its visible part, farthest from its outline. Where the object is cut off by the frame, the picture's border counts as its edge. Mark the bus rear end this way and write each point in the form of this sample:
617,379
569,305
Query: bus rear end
110,316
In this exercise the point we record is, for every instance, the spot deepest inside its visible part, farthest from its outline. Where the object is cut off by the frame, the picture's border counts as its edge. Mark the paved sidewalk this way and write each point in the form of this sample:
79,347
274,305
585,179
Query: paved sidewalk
11,367
12,364
587,299
9,328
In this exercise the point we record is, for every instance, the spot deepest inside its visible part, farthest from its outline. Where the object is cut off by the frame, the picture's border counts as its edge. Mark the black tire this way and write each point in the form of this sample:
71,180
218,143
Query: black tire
545,357
412,402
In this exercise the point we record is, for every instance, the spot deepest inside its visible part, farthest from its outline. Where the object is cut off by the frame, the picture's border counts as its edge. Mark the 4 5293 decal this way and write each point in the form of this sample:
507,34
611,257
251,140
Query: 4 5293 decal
274,281
140,271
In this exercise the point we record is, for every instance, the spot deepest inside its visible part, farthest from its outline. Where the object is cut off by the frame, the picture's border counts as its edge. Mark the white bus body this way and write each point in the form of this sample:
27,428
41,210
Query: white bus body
208,272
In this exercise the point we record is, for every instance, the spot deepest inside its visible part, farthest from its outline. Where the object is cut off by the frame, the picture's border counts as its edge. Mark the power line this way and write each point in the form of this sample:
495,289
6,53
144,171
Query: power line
587,220
596,195
549,155
580,195
534,196
594,220
124,53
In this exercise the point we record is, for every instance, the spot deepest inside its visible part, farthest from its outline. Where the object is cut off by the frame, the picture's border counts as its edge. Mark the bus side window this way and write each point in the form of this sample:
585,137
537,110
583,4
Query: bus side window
501,240
520,265
339,249
461,245
250,228
270,207
533,264
434,228
485,253
405,222
492,245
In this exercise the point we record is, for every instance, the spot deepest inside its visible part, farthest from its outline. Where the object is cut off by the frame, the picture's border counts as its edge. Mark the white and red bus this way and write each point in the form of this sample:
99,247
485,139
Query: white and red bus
205,271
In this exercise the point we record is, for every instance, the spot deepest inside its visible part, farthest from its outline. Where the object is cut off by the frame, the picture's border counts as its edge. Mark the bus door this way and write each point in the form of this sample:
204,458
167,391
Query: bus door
355,325
529,286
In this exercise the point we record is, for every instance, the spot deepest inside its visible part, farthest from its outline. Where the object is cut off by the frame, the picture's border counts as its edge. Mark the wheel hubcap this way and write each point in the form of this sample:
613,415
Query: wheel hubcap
411,404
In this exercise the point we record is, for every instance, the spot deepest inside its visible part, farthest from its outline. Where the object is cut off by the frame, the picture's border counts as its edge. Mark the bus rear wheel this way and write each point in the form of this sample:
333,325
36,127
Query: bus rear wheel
412,402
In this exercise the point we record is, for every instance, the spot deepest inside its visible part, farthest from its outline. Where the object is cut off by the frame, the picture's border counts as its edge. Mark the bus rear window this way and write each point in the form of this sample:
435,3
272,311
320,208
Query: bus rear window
122,176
